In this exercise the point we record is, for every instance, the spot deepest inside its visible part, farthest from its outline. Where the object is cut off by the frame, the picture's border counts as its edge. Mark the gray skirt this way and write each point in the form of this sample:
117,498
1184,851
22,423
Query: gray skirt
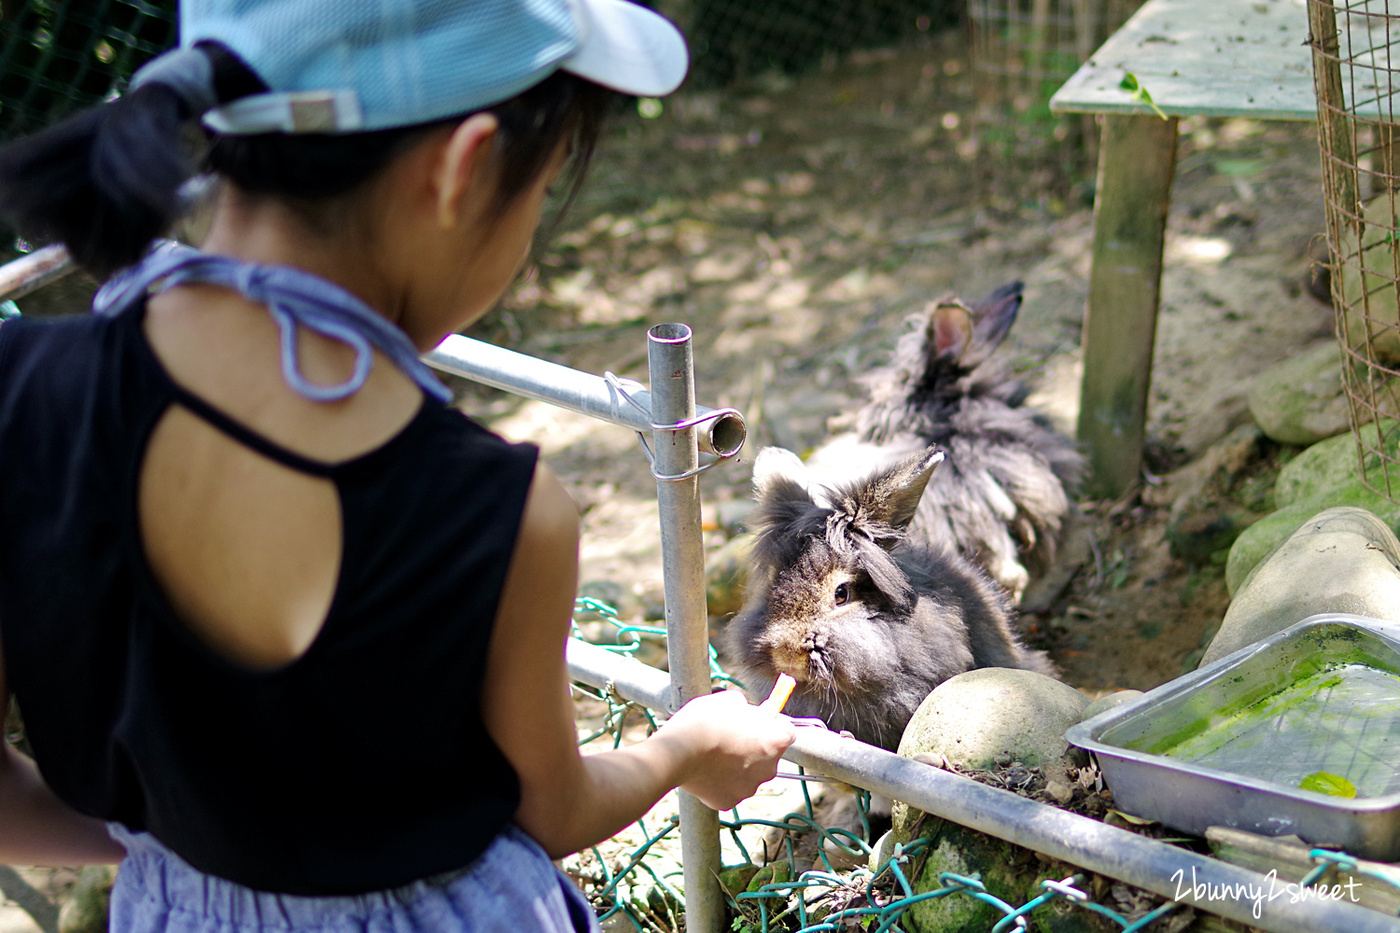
513,888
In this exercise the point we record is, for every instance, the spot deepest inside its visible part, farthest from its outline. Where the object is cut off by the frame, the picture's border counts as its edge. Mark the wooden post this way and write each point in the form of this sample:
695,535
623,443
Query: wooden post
1336,131
1136,166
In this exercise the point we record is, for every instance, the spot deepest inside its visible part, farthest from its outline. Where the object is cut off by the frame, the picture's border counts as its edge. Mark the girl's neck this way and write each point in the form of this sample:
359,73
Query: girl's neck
261,231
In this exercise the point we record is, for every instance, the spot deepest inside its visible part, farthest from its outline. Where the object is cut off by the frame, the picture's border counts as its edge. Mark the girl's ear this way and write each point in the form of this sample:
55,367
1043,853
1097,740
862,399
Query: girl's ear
462,173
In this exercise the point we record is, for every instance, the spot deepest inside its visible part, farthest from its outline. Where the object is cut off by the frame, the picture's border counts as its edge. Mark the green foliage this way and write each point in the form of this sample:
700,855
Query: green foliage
1139,93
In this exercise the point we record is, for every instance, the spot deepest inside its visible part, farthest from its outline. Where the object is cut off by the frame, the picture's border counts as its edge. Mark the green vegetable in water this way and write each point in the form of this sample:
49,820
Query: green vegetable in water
1325,782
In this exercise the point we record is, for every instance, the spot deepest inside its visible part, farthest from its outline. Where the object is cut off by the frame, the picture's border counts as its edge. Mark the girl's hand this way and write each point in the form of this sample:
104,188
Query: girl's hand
730,746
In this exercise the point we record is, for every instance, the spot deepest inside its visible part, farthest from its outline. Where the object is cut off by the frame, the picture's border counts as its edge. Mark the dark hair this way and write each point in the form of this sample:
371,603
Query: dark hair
106,182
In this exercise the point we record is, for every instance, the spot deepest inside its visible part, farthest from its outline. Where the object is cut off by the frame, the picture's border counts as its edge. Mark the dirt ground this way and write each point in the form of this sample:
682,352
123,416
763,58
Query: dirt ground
795,224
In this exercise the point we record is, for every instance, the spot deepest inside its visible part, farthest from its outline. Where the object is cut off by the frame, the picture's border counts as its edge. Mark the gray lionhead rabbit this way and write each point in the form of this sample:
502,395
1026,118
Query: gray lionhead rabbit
864,618
1007,490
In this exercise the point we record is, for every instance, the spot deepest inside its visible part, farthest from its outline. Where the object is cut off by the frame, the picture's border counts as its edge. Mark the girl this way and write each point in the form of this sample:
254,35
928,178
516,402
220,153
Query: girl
286,630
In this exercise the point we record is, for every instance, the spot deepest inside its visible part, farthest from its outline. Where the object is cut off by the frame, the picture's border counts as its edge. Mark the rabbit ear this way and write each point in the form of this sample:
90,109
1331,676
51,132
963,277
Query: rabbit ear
949,328
883,505
896,492
968,335
776,466
993,316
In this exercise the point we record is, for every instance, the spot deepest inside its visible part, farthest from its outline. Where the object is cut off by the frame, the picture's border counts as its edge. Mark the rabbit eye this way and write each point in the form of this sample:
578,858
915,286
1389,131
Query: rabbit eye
843,594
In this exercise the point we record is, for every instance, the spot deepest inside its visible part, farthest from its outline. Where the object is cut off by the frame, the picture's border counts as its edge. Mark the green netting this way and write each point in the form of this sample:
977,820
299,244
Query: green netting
784,895
58,56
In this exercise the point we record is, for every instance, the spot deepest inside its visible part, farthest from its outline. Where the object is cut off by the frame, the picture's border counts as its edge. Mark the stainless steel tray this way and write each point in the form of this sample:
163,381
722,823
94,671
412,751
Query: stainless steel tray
1339,668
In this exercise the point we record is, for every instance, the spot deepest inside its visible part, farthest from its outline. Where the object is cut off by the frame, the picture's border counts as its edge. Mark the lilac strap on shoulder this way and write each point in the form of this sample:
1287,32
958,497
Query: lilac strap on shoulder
295,299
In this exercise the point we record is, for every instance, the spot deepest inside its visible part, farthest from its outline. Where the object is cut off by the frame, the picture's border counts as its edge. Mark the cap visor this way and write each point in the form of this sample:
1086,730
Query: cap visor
628,48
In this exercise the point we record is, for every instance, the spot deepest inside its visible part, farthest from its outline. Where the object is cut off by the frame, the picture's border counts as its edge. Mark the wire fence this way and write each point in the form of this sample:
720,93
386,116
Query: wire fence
1355,76
58,56
1022,52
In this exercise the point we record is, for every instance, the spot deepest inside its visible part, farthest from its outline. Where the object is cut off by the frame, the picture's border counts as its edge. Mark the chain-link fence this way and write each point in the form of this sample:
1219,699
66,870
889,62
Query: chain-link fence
57,56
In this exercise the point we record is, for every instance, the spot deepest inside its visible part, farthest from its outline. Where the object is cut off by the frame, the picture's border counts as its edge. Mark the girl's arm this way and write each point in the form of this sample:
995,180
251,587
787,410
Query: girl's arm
36,828
717,747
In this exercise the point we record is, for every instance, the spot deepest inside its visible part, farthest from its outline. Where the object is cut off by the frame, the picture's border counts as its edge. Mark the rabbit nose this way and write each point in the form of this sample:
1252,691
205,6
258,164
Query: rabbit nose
796,653
791,658
790,662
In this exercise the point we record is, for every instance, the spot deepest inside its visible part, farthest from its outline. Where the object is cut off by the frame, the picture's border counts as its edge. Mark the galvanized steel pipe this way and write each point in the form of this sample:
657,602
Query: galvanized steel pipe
676,455
721,433
599,667
19,277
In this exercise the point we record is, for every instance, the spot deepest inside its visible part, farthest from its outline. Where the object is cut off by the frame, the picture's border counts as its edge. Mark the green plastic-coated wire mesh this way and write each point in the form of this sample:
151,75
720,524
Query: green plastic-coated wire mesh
819,878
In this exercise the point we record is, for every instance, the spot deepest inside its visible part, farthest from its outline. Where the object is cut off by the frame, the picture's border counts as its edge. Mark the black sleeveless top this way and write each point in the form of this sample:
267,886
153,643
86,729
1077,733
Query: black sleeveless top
362,765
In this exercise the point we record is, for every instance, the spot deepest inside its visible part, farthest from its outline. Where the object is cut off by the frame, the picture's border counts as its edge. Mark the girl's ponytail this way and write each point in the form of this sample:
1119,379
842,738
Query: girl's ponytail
106,181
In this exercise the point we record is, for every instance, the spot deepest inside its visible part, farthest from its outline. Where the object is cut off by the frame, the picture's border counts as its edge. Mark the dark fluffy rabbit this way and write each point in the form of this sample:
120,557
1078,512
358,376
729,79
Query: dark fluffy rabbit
1008,488
865,621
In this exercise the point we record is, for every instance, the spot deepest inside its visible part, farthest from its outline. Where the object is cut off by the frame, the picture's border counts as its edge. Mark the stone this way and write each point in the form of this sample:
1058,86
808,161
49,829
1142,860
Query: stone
1342,559
1368,284
881,852
1206,513
734,879
1061,794
1301,400
1266,535
1335,462
1108,702
1009,872
1005,871
778,873
994,711
1199,537
984,718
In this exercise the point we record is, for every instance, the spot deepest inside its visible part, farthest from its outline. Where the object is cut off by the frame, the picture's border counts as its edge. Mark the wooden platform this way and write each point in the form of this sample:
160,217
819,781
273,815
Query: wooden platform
1218,58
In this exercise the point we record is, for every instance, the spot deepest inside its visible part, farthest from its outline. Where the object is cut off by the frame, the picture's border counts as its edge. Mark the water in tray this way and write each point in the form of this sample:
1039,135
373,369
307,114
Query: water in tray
1342,722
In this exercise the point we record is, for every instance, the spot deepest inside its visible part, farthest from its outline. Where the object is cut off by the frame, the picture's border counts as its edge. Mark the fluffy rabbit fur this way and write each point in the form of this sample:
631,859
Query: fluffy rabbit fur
866,621
1008,488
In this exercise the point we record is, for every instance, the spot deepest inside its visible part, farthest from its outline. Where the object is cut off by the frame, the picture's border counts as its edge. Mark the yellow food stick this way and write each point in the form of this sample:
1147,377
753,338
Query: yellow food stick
781,691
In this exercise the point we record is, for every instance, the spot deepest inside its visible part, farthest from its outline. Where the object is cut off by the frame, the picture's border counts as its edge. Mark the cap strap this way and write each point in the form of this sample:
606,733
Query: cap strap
328,111
186,71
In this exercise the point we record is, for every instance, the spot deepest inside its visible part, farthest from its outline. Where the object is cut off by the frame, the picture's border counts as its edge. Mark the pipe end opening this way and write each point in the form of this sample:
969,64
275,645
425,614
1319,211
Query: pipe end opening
669,333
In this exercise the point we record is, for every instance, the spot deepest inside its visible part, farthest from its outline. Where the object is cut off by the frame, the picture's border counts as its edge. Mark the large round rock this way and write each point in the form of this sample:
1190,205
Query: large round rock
977,717
991,716
981,720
